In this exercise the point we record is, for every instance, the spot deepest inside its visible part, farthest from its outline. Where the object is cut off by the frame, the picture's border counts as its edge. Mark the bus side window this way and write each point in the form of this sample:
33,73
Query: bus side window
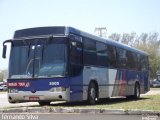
142,63
139,62
112,56
76,52
122,58
132,60
90,53
102,55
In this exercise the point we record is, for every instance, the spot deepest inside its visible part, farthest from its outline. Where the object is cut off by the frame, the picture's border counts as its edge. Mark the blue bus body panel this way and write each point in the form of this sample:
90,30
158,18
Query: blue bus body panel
75,84
39,84
125,82
76,88
133,76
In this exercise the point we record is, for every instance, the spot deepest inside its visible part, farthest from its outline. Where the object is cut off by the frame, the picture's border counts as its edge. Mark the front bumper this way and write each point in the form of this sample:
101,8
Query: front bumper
24,96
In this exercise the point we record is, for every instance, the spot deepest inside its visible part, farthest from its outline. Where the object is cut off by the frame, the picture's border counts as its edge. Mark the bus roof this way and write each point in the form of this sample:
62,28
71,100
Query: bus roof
62,30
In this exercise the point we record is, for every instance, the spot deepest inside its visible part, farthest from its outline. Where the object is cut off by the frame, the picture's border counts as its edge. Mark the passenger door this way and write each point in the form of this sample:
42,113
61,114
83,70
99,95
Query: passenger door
75,70
75,58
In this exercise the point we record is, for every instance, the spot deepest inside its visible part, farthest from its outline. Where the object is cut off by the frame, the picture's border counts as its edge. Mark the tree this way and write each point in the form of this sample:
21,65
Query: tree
151,44
3,75
128,39
115,36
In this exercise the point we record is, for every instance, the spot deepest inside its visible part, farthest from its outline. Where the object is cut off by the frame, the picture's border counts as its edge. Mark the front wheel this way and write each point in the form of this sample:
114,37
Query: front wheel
92,93
136,91
136,94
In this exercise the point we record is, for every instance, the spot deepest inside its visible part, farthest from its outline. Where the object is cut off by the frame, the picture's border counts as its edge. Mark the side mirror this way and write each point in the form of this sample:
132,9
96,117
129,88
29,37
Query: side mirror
5,47
4,51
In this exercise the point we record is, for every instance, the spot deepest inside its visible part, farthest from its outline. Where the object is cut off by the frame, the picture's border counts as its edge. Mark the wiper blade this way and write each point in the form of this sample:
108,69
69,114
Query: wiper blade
46,43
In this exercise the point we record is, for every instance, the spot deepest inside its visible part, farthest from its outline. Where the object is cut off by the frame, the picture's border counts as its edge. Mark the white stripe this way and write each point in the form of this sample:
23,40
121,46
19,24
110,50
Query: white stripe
112,77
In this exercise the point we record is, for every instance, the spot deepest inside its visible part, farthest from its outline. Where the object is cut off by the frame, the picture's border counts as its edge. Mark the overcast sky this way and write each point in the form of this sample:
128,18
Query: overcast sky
120,16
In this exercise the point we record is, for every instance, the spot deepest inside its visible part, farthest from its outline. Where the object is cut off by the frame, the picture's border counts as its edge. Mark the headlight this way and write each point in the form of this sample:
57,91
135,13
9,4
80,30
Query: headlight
52,89
57,89
12,90
60,89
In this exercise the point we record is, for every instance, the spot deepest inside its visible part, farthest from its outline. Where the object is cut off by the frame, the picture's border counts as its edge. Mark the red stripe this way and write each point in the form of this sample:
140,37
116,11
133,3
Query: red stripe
123,83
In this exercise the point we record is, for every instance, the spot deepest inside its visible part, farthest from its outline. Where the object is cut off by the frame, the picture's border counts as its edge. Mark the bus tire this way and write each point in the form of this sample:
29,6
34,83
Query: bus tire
44,103
136,91
136,94
92,93
12,102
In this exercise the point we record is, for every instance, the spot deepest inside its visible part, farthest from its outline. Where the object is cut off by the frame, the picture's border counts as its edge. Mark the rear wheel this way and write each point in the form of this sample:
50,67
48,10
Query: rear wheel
92,94
136,92
44,103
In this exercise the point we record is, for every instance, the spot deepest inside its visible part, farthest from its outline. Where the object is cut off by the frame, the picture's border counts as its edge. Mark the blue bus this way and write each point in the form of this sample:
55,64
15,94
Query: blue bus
65,64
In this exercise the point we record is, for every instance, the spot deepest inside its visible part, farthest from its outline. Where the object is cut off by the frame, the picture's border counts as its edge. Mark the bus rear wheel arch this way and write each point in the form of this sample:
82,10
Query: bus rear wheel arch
92,92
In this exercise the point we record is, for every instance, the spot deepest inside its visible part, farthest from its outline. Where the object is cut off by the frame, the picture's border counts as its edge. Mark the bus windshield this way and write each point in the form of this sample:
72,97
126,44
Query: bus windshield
38,58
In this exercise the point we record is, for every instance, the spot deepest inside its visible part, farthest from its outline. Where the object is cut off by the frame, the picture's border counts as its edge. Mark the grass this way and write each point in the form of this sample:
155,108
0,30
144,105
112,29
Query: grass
154,89
144,103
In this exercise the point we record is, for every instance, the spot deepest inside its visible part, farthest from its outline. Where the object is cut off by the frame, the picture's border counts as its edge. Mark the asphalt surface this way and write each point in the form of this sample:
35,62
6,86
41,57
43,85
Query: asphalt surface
78,117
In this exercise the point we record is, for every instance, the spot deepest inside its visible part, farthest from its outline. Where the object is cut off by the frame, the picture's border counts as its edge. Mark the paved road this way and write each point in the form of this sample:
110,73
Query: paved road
153,91
4,102
77,117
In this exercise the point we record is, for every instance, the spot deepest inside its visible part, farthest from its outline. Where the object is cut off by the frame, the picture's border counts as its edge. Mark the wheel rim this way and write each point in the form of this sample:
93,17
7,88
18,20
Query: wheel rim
137,92
93,93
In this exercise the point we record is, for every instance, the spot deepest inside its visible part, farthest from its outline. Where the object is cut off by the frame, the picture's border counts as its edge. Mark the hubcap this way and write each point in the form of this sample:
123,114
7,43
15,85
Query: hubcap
137,92
93,93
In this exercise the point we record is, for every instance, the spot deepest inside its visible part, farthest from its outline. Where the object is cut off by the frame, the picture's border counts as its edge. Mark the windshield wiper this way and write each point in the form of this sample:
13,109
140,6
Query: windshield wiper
5,47
46,44
29,49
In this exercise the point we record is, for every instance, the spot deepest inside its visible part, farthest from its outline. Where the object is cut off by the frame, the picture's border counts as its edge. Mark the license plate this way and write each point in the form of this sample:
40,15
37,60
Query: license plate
33,98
